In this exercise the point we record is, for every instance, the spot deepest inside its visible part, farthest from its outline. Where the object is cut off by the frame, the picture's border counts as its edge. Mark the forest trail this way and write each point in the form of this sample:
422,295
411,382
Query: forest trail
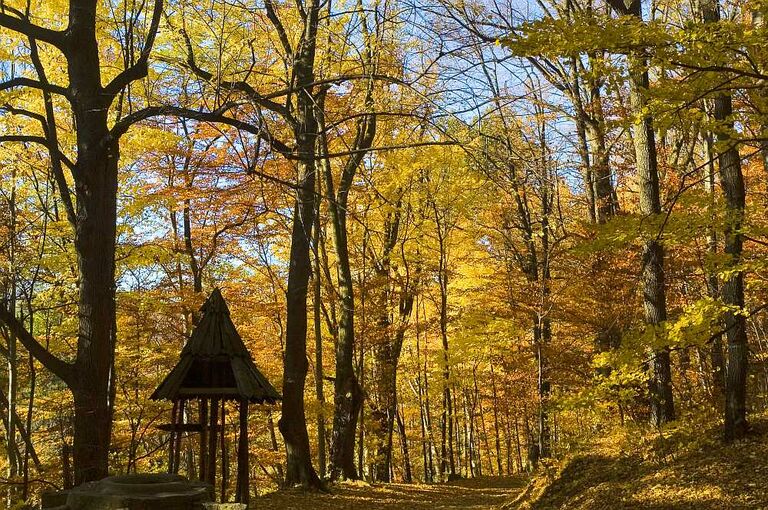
482,493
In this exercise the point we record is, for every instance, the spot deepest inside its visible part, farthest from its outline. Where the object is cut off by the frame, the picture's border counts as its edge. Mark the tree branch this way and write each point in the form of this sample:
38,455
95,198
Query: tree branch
39,140
58,367
24,26
139,69
281,33
216,117
29,82
239,86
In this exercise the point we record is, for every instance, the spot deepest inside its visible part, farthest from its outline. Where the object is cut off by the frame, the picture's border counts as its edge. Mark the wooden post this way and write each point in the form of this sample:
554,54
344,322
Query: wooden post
177,443
203,439
212,440
243,469
172,436
224,456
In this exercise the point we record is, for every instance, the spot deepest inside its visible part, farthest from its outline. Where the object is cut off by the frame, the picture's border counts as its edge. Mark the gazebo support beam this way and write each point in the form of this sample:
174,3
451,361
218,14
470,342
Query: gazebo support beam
224,456
203,404
172,436
177,439
212,440
243,468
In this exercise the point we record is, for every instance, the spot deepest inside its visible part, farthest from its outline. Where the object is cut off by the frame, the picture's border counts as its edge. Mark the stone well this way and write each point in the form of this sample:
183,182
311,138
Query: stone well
135,492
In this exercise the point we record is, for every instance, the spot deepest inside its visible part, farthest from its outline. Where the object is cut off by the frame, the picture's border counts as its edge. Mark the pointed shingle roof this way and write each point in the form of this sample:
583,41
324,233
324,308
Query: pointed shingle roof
215,362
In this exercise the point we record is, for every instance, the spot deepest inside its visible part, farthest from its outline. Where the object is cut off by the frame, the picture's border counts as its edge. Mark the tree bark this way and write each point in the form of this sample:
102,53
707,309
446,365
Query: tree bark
92,214
652,273
407,471
293,422
732,182
386,350
717,358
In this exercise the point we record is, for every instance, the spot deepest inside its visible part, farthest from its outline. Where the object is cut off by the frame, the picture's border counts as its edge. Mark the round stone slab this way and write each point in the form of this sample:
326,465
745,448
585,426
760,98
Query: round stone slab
140,492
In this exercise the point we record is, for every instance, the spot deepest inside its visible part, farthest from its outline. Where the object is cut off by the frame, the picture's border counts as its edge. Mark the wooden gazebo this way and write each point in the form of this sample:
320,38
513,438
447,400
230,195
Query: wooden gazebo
214,367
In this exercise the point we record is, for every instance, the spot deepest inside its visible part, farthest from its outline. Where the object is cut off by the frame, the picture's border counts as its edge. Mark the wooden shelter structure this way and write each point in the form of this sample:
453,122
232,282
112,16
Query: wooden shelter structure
214,367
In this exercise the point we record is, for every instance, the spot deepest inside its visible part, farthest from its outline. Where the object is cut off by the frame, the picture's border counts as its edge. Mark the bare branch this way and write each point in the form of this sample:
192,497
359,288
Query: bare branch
29,82
216,117
60,368
139,69
272,15
25,27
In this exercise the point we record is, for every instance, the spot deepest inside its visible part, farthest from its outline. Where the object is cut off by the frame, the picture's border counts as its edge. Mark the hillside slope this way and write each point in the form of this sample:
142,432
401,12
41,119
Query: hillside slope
685,468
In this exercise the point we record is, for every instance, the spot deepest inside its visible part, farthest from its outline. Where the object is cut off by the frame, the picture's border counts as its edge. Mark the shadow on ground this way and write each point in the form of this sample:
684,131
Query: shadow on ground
482,493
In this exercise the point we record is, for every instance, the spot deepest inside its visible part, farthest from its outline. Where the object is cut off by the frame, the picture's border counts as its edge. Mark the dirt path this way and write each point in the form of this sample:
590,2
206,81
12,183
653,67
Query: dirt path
480,494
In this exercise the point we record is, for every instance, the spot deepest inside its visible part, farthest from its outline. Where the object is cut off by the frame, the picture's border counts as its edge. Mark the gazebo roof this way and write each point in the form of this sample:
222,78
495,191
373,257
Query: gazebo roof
215,363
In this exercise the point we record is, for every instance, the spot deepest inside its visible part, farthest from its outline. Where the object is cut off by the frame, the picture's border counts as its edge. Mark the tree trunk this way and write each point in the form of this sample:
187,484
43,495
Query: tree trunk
293,422
496,419
319,394
652,274
95,245
348,396
732,181
713,288
407,472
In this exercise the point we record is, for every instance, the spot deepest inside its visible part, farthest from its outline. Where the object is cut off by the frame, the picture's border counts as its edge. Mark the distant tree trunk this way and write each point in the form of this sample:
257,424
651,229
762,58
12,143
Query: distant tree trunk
316,305
481,412
542,335
348,396
653,287
66,467
732,181
29,450
407,476
387,349
273,442
429,468
713,287
606,206
447,461
587,173
426,446
496,419
12,453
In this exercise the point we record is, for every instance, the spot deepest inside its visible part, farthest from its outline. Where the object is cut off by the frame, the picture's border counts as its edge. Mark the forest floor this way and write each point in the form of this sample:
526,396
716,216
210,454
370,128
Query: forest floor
684,468
482,493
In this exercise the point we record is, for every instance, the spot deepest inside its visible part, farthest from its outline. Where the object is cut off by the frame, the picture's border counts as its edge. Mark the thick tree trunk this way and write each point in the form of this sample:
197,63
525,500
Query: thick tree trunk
95,224
96,192
732,181
733,286
348,396
293,422
652,274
